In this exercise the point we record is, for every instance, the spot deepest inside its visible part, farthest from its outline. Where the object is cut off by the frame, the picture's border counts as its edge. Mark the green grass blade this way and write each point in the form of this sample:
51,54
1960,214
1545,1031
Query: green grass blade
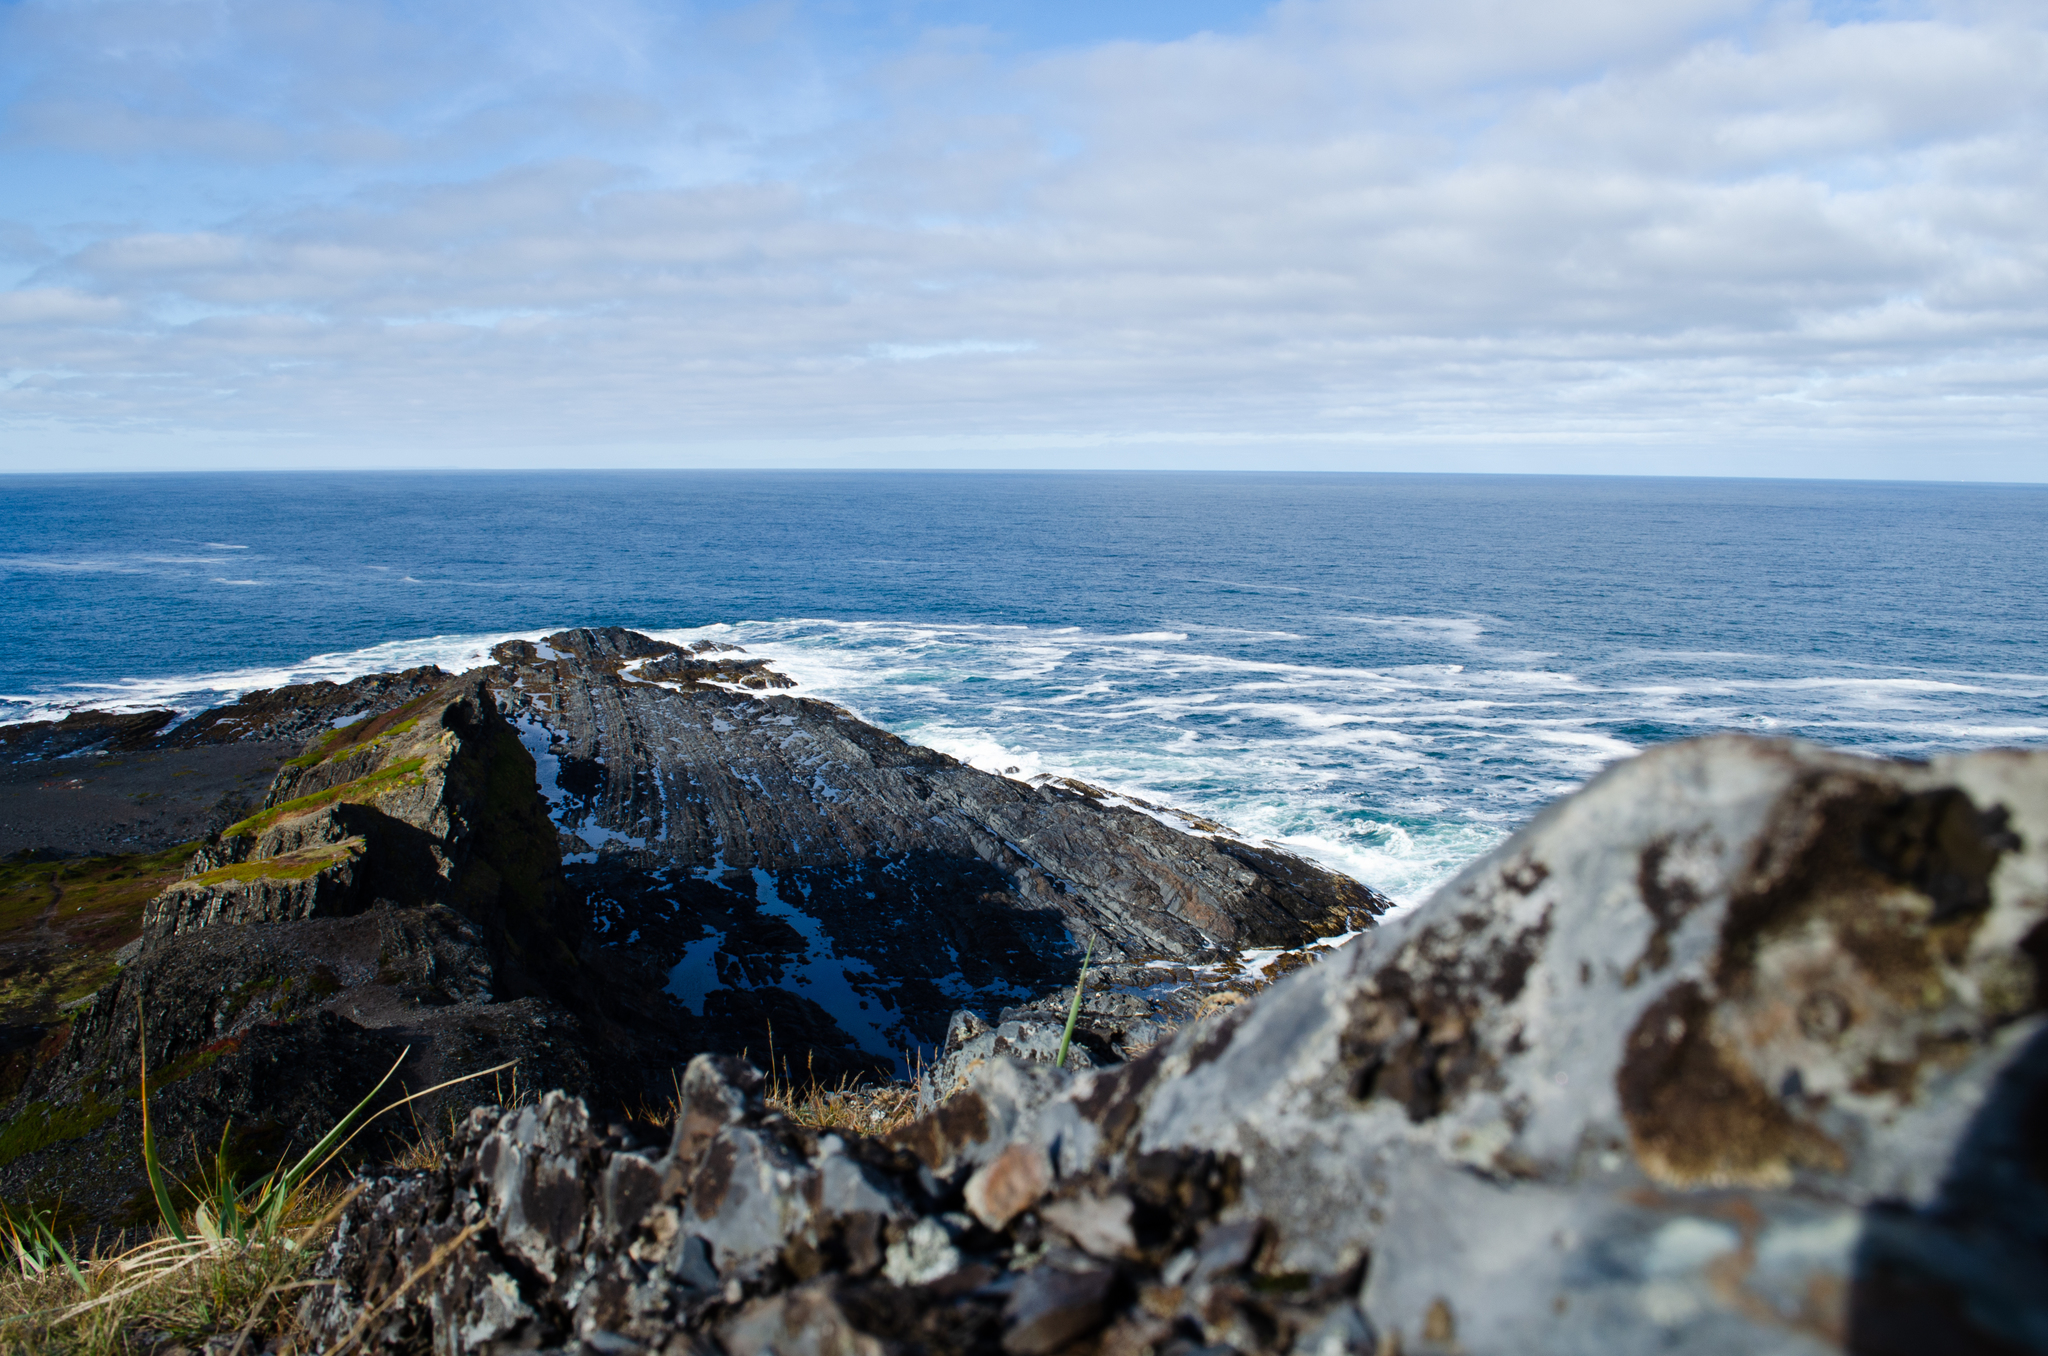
70,1262
1074,1008
315,1156
149,1157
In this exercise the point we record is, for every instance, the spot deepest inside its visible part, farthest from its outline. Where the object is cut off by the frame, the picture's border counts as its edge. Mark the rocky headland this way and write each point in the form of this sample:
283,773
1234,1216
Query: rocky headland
1741,1048
594,859
764,860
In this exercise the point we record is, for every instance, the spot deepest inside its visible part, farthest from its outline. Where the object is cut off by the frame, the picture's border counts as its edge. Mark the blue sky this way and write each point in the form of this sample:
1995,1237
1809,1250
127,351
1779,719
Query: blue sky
1635,236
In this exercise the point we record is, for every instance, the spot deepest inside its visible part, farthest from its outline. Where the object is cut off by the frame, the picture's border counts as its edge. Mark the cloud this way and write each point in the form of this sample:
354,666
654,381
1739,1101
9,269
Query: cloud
54,306
626,232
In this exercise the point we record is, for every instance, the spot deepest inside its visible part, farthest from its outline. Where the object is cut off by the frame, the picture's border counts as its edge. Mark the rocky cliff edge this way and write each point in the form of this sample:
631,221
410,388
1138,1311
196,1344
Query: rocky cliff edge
398,888
1740,1049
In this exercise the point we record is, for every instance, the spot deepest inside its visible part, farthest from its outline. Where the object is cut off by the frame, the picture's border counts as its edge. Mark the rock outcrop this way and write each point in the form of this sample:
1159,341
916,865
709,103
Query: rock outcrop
100,783
304,711
398,888
747,871
1739,1049
81,732
781,869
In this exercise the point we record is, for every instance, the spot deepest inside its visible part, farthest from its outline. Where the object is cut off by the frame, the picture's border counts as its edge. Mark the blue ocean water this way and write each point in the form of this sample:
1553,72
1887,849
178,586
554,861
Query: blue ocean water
1385,672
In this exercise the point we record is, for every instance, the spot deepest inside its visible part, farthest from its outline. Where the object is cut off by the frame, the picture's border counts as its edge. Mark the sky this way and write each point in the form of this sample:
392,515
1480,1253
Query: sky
1697,237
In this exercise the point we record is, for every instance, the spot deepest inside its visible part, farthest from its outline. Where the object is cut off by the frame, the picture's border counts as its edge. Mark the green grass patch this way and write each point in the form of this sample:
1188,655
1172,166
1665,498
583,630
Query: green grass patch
42,1124
62,921
289,866
355,792
369,730
84,884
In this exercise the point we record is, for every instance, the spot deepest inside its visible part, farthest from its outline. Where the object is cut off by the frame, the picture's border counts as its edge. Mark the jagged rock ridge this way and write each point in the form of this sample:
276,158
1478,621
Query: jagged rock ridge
401,885
771,859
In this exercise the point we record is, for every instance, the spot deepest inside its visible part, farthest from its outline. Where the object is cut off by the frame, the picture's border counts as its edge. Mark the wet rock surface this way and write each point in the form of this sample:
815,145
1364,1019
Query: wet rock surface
769,861
1739,1049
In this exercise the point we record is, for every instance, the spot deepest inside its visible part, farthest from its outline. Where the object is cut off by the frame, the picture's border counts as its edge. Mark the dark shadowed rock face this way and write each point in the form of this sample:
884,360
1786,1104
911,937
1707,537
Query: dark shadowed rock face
398,887
770,859
1741,1049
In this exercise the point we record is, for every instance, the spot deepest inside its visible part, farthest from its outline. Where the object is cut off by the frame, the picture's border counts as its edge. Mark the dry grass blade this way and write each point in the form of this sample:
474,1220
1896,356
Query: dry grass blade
203,1286
370,1315
270,1292
195,1252
408,1100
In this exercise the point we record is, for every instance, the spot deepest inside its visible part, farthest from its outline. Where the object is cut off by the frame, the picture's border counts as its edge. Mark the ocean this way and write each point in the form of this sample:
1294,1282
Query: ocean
1386,673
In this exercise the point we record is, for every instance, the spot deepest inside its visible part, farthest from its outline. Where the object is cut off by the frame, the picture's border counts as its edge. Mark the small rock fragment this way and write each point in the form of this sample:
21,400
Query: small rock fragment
806,1321
1001,1190
923,1255
1052,1306
1098,1225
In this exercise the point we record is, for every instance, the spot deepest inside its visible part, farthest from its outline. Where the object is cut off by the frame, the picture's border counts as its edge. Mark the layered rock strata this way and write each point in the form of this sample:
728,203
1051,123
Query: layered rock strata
747,871
398,888
785,871
1740,1049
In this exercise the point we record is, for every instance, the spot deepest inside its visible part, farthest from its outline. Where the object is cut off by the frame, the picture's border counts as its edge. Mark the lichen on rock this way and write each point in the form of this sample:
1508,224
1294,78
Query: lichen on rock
1740,1048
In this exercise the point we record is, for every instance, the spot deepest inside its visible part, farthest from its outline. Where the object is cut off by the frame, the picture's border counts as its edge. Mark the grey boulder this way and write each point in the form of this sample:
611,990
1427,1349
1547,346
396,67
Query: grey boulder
1738,1050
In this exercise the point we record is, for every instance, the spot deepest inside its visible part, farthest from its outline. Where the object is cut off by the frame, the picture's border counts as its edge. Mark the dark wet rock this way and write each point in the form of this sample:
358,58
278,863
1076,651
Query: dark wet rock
80,732
774,865
305,711
1740,1049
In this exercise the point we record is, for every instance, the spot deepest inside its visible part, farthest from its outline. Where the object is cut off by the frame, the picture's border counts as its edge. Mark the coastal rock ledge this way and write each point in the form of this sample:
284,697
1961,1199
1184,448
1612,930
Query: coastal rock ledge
591,860
1740,1049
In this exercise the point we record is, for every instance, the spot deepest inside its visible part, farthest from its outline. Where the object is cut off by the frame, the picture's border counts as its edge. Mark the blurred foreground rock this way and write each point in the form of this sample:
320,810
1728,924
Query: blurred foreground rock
1740,1049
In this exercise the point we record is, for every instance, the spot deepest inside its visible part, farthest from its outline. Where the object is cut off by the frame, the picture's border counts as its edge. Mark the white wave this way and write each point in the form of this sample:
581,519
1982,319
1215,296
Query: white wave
1456,630
87,566
1396,772
187,693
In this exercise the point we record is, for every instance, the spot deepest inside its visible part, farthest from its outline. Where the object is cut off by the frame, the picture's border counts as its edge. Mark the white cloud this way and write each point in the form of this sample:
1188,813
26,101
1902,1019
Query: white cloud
55,306
1363,231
